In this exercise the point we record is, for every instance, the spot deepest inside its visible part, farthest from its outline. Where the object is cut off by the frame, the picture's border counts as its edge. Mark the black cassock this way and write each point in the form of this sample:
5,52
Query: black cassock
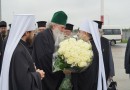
22,74
106,55
1,42
2,49
87,80
4,45
43,50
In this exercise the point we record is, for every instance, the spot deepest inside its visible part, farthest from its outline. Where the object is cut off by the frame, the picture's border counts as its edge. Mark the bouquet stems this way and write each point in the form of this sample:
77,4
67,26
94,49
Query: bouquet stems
66,83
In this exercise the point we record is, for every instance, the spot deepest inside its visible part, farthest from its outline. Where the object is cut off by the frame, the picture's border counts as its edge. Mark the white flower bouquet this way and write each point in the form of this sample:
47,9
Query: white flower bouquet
74,55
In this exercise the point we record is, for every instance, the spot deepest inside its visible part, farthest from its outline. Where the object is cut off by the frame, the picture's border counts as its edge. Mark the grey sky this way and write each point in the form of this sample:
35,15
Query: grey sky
116,11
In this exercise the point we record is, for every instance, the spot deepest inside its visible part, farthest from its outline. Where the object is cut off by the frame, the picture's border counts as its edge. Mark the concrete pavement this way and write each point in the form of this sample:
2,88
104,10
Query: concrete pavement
122,79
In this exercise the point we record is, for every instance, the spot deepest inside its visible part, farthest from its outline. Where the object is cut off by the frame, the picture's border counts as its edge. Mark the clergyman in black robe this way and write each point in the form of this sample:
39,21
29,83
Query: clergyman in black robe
22,73
107,57
43,49
3,29
93,77
1,42
18,69
107,53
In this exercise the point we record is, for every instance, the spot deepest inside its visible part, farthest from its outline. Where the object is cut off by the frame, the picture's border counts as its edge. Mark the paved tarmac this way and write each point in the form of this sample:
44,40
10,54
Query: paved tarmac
123,80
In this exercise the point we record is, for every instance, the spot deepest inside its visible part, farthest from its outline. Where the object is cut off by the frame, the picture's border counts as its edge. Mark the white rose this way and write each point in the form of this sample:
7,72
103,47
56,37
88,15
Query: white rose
70,61
89,53
88,45
82,64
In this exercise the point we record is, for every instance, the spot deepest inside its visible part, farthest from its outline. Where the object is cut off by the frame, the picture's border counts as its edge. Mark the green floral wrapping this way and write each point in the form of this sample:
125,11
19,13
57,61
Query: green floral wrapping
66,83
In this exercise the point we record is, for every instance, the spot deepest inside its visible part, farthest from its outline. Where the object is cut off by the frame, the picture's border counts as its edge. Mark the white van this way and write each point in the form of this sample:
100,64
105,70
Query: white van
112,33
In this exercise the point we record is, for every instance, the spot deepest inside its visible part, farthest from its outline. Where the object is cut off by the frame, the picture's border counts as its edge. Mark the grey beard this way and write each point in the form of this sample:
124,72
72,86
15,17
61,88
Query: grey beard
56,34
58,37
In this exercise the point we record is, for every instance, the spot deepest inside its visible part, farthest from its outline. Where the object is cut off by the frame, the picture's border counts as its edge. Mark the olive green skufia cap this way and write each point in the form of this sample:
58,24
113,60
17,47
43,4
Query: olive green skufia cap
59,18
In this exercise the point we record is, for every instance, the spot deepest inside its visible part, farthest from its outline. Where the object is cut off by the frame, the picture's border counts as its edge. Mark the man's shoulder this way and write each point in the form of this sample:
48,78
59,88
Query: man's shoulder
104,39
43,33
19,49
